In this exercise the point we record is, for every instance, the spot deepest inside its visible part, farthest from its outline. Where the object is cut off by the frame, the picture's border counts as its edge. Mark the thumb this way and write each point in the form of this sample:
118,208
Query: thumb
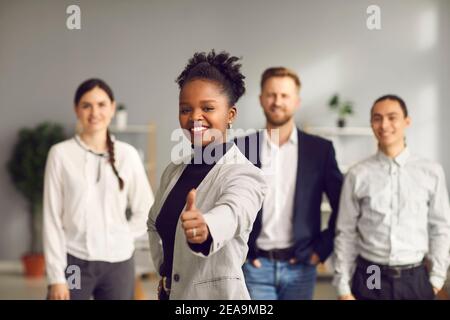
190,200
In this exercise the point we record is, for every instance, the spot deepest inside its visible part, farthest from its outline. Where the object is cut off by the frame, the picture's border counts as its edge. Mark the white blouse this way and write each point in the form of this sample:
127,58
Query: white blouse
84,208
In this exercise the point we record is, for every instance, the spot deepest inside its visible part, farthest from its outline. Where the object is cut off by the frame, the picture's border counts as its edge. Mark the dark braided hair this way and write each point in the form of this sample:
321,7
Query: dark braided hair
220,68
112,158
87,86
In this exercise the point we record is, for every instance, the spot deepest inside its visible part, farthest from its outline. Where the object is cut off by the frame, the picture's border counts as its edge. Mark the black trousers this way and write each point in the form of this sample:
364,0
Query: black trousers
101,280
413,284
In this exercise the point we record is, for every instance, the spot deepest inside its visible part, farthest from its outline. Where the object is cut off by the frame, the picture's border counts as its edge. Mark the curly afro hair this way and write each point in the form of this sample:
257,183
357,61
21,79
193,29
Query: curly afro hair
220,68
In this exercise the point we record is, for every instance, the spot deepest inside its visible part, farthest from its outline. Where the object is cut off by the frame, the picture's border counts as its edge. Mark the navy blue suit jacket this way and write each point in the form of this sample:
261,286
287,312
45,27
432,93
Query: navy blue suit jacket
317,173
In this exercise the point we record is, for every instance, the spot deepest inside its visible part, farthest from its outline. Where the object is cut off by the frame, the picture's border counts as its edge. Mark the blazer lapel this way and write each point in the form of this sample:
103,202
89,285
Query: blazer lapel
259,136
302,169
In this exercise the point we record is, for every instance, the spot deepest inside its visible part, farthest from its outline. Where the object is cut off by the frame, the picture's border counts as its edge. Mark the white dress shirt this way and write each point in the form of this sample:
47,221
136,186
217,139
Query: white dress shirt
393,212
84,208
279,164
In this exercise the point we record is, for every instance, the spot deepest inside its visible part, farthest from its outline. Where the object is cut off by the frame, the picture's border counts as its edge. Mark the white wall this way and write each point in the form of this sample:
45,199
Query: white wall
139,47
445,90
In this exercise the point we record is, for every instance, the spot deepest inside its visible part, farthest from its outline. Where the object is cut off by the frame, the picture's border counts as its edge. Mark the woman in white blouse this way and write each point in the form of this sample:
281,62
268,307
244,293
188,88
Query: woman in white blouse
89,182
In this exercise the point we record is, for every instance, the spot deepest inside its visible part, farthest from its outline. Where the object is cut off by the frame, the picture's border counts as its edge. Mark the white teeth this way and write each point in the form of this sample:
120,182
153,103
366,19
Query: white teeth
198,129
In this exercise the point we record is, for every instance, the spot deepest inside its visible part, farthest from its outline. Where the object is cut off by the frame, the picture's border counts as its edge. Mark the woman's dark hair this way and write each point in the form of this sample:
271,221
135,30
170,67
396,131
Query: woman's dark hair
220,68
87,86
394,98
90,84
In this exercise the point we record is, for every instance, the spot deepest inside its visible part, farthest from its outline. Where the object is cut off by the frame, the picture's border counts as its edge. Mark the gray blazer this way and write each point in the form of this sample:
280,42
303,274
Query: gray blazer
230,196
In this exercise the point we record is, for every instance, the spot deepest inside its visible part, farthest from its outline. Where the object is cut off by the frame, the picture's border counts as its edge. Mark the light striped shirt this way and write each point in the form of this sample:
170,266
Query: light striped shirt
393,212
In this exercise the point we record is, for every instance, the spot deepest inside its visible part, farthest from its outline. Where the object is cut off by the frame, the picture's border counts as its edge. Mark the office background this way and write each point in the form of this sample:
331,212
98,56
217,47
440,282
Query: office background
139,48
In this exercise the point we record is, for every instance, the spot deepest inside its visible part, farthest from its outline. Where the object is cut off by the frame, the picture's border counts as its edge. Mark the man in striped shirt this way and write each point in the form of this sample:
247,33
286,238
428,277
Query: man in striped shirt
394,215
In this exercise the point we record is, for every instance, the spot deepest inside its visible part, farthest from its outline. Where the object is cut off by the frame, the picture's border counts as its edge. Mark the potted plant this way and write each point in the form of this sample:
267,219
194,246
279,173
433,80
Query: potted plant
343,108
26,168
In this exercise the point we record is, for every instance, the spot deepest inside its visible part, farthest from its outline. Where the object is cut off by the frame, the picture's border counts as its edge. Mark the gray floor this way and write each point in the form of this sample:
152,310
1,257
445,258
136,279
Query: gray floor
14,286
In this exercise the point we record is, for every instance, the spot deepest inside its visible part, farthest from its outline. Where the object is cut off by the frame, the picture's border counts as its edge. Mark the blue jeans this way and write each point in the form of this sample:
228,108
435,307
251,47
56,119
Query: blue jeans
280,280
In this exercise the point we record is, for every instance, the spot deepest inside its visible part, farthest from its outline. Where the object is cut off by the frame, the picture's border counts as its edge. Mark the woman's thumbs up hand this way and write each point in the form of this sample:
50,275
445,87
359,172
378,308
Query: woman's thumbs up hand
193,223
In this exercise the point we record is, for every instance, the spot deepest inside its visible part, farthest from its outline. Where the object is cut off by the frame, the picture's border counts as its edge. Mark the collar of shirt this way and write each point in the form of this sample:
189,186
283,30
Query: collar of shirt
84,146
99,156
400,159
293,138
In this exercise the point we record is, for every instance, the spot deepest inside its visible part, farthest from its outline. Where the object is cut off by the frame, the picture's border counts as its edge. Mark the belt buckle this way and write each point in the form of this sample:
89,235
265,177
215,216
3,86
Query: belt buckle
395,272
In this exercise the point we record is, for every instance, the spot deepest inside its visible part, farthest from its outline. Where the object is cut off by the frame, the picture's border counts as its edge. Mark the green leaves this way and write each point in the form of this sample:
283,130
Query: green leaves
343,108
346,109
26,168
334,102
27,163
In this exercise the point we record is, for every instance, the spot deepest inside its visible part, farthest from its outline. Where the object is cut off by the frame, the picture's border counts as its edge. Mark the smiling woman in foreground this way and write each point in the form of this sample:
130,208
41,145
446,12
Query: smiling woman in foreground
204,210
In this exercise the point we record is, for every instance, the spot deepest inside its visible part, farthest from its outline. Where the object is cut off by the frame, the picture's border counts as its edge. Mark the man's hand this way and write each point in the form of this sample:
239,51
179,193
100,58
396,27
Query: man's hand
58,291
314,259
193,223
347,297
256,263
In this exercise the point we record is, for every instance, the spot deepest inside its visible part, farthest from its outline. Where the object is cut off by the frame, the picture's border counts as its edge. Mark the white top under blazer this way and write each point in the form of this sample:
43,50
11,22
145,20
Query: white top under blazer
84,208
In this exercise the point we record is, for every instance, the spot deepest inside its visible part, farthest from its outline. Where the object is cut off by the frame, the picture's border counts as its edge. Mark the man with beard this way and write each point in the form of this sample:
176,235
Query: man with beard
286,242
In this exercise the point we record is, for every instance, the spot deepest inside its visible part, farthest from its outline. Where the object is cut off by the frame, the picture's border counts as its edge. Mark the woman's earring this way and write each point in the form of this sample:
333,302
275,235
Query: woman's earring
230,125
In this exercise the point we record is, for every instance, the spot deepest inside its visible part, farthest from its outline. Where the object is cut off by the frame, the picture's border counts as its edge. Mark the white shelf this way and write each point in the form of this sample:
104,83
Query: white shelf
11,266
147,153
336,131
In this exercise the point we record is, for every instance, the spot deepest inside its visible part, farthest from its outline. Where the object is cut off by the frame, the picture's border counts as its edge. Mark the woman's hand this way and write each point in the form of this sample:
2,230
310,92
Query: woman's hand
193,223
58,291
